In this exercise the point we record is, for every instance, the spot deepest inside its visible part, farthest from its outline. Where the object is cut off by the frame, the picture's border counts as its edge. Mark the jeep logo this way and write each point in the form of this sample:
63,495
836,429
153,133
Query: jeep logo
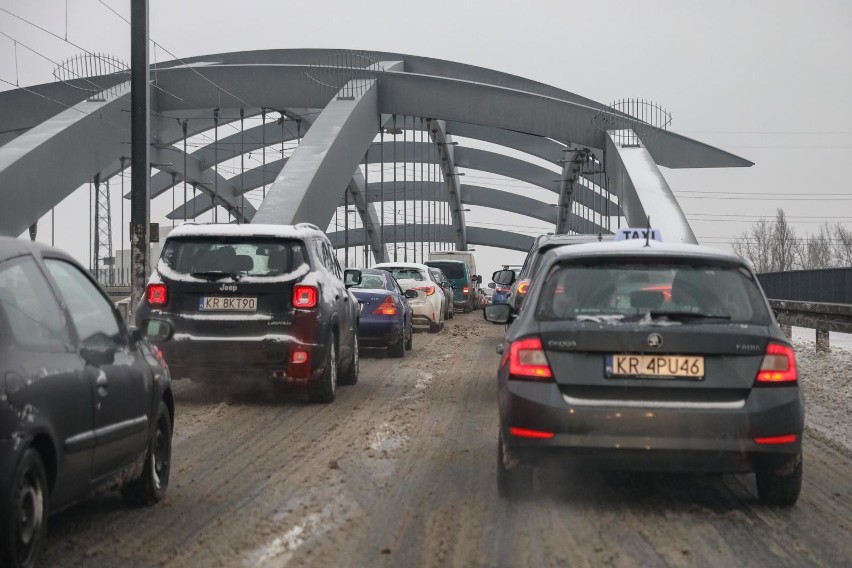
228,287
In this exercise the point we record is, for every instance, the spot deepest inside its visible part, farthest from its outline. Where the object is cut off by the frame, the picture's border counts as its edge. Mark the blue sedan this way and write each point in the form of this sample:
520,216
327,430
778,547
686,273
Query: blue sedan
385,314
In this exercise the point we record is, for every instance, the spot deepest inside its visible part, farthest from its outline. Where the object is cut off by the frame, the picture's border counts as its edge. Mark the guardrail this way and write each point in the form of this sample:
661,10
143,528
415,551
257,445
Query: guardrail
824,317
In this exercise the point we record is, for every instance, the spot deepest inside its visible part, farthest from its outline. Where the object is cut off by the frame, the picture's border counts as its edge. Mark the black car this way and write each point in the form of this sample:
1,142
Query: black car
85,404
541,245
649,356
256,303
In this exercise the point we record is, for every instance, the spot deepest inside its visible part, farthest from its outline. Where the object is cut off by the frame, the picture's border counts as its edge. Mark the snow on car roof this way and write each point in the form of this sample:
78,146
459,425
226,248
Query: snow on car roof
638,246
401,265
299,231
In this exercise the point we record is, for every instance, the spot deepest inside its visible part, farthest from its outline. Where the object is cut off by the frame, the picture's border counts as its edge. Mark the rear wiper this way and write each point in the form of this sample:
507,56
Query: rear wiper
215,275
687,315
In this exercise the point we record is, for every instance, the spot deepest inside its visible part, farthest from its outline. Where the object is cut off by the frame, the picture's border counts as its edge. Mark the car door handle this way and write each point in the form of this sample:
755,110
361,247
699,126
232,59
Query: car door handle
102,383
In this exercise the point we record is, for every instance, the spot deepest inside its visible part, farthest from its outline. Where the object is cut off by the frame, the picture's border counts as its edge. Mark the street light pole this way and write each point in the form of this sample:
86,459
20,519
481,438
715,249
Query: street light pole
140,182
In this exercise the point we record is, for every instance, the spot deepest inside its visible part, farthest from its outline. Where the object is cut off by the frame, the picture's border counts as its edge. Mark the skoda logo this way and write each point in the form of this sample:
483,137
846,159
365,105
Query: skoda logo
655,341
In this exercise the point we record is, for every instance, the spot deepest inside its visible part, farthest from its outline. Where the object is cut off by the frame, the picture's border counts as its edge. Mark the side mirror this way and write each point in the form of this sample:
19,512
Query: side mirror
492,285
410,294
504,277
351,277
154,330
479,278
498,313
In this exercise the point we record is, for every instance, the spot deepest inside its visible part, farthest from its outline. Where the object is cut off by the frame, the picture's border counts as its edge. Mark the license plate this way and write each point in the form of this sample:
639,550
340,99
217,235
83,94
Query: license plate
219,303
655,366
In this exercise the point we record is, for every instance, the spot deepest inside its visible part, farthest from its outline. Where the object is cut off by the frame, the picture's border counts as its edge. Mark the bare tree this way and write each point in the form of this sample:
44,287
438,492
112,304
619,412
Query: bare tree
754,245
784,244
815,251
842,245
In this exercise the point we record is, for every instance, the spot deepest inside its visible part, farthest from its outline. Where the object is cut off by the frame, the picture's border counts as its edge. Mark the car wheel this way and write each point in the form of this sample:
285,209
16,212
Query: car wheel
409,343
326,386
467,308
781,486
436,327
514,479
25,518
397,349
350,377
150,487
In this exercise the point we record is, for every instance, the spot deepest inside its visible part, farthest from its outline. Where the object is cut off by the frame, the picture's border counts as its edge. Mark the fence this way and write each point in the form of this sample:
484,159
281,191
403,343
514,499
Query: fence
830,285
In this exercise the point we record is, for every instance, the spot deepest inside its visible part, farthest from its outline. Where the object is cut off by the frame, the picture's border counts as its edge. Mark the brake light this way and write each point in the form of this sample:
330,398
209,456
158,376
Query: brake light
526,433
779,365
504,290
428,289
299,357
466,289
157,294
785,439
304,296
386,308
527,359
523,287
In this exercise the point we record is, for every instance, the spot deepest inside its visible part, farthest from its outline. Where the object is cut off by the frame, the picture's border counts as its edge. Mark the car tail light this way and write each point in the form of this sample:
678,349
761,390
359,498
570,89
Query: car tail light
771,440
526,433
466,289
299,357
779,365
523,287
527,359
157,294
428,289
386,308
504,290
304,296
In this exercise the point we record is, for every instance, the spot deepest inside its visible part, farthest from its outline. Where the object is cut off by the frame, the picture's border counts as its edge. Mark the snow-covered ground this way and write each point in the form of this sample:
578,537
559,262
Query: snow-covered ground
836,339
827,386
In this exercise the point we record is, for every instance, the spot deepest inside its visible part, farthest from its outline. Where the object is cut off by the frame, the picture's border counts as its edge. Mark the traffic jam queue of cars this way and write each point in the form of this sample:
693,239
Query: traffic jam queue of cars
640,354
86,404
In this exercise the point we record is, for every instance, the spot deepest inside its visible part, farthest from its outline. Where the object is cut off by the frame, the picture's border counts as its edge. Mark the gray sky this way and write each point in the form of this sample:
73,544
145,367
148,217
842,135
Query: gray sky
767,80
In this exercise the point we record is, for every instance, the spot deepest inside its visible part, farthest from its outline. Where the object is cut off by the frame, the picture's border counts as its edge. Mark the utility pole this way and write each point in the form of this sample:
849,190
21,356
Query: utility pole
140,183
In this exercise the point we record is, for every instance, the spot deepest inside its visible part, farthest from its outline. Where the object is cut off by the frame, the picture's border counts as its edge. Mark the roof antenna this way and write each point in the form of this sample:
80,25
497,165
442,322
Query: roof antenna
648,233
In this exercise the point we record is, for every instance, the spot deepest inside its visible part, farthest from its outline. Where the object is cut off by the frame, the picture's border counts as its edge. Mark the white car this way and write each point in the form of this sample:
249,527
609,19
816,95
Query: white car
429,305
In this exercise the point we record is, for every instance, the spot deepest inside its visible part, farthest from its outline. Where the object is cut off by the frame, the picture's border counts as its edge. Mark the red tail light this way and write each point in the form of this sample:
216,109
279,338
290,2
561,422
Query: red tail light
527,359
523,286
504,290
157,294
386,308
779,365
466,289
299,357
428,289
785,439
525,433
304,296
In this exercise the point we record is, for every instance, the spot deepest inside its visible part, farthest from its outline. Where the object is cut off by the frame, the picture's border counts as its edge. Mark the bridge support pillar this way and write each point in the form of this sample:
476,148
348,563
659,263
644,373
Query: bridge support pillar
822,342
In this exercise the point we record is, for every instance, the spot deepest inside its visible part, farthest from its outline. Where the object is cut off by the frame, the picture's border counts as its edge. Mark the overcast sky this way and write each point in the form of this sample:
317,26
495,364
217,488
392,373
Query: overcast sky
767,80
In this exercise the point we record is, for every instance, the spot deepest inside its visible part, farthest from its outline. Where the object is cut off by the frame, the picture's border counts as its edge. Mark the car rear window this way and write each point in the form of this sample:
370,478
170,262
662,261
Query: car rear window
247,256
674,290
371,281
451,270
402,273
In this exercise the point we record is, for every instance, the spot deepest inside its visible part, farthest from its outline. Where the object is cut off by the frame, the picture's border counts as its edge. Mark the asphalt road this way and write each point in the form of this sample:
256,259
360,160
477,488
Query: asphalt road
400,471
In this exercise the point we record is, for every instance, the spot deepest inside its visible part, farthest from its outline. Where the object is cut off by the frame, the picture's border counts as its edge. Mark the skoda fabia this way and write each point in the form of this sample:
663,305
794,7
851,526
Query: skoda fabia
646,355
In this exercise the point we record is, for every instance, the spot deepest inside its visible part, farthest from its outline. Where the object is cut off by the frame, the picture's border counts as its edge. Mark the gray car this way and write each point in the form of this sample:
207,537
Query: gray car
648,356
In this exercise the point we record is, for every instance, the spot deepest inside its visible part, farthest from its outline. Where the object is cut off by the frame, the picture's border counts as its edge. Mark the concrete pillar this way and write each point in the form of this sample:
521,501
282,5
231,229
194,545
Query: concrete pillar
822,344
787,330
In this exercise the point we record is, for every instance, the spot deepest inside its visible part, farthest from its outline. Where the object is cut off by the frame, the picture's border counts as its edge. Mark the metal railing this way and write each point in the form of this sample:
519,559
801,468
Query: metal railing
832,285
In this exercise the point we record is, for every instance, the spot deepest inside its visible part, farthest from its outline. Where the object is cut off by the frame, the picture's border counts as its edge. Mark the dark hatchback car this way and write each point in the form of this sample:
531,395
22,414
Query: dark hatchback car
256,303
385,320
659,357
85,404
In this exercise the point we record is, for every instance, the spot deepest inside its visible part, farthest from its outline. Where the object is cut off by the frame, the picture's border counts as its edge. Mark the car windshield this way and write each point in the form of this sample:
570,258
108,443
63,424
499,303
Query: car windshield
250,257
453,270
405,273
371,281
660,291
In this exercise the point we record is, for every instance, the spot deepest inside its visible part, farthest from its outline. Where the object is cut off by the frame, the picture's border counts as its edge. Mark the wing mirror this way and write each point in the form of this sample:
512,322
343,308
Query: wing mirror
351,277
498,313
492,285
504,277
154,330
410,294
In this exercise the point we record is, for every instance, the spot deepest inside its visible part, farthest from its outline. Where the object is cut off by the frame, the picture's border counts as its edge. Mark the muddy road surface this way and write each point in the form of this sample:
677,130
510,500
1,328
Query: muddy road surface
400,471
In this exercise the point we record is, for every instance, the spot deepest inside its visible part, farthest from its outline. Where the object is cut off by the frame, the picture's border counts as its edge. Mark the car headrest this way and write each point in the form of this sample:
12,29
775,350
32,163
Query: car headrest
243,263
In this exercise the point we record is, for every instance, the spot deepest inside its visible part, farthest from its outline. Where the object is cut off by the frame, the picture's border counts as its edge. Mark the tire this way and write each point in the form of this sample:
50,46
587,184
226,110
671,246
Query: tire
781,486
467,308
325,387
452,311
151,486
397,349
24,517
436,327
514,479
409,343
350,377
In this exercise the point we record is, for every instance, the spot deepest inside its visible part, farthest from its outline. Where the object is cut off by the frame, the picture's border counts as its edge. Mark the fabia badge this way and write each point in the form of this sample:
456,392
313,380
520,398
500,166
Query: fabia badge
655,341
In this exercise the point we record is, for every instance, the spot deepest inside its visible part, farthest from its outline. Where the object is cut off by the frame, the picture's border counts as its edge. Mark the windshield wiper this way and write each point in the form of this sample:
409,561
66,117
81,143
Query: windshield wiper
686,315
215,275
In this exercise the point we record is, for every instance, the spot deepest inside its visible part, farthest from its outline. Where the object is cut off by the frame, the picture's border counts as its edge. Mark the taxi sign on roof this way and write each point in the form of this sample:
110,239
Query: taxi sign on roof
628,233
